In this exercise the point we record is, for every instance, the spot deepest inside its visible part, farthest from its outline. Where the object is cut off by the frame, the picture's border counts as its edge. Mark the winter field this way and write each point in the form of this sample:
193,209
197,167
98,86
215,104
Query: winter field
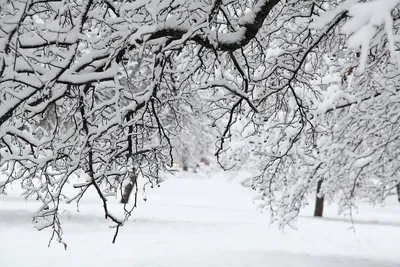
195,220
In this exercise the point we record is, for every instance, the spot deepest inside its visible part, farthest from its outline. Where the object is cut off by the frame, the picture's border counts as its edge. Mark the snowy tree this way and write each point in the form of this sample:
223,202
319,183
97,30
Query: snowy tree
336,128
73,59
101,79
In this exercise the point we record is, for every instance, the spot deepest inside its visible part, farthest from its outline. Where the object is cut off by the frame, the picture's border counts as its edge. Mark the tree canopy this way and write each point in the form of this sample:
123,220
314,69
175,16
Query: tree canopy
302,91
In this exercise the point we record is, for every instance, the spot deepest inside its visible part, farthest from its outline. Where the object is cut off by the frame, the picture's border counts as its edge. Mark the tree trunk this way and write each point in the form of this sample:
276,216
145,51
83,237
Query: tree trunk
398,191
185,168
128,190
319,204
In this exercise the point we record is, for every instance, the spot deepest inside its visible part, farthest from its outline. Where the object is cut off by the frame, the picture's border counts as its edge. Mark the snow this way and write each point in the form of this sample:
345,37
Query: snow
365,20
195,220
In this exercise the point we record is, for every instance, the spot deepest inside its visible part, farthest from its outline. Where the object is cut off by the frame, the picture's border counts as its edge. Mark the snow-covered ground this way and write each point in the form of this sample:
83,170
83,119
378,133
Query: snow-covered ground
197,221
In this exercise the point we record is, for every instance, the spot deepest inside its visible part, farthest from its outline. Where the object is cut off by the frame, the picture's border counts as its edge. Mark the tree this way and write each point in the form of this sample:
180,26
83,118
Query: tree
114,73
338,129
398,191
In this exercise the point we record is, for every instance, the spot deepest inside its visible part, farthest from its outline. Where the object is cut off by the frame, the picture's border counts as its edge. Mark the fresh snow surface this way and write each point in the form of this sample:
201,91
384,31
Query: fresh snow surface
194,220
